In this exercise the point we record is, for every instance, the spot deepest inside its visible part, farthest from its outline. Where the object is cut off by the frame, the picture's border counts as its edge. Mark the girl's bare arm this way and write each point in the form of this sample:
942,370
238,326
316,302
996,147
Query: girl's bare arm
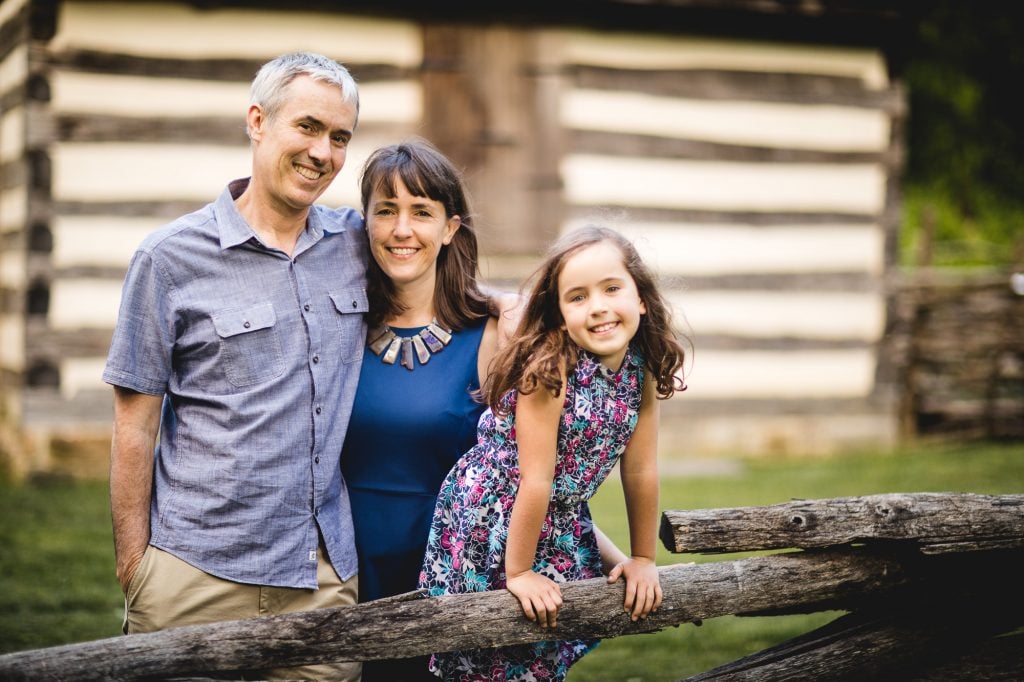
537,416
639,470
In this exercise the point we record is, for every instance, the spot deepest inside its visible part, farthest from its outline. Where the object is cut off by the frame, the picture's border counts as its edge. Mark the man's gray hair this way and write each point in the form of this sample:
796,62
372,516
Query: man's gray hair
268,87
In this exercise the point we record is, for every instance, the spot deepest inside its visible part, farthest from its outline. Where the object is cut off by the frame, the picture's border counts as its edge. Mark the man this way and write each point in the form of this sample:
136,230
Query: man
238,343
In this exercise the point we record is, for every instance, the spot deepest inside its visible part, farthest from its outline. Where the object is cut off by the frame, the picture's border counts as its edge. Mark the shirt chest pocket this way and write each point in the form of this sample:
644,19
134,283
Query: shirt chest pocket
250,344
350,305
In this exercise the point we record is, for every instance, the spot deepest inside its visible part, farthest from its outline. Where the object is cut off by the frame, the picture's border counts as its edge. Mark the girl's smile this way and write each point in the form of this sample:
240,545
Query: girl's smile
599,302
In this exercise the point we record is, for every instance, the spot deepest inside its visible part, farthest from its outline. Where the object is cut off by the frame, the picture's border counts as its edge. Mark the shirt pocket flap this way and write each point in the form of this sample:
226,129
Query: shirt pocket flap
352,300
237,321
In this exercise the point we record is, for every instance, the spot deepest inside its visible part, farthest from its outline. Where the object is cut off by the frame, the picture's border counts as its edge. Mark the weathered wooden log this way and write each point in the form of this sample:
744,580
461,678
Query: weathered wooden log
722,84
409,625
895,644
220,130
1000,658
654,146
216,69
934,523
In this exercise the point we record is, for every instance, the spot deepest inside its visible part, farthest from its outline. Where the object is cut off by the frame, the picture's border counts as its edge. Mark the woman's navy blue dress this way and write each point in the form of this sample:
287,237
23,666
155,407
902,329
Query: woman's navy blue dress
406,432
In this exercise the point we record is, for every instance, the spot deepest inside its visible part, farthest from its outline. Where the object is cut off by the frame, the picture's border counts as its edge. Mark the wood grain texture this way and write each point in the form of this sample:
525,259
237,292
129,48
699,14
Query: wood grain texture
933,523
409,625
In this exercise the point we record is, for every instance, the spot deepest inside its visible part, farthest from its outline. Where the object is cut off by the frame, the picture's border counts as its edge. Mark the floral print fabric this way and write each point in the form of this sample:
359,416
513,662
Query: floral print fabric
468,534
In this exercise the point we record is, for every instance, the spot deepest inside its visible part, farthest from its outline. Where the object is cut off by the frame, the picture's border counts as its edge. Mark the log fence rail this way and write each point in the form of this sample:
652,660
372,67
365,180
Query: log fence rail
930,582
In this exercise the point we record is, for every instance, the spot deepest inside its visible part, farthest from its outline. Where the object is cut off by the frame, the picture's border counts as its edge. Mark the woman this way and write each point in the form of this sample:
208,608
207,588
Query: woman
430,342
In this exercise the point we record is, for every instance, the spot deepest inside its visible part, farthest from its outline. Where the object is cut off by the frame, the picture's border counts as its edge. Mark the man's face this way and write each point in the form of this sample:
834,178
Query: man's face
299,151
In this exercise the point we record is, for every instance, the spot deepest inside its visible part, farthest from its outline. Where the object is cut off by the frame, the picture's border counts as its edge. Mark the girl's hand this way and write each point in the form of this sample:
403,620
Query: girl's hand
540,597
643,587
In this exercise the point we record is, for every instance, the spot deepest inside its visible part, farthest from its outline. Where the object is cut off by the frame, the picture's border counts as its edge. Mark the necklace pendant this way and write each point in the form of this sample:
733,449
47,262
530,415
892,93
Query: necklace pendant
379,339
383,341
432,341
441,334
391,354
422,354
406,360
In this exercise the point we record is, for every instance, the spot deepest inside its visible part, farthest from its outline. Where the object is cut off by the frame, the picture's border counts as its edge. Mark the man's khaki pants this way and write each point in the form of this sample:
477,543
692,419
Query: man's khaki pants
167,592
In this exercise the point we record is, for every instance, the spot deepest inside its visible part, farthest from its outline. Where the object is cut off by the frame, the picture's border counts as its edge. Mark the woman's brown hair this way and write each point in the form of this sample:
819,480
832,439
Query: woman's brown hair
426,172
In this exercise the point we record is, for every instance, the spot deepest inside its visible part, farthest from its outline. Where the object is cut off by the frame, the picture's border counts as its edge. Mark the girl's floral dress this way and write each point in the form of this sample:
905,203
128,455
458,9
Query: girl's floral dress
466,548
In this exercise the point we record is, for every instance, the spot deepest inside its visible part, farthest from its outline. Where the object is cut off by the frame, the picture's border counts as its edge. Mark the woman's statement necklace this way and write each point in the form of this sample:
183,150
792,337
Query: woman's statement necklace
430,339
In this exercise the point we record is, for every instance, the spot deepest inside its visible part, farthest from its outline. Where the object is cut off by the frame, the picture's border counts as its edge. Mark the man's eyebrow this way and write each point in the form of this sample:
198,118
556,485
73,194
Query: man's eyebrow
310,118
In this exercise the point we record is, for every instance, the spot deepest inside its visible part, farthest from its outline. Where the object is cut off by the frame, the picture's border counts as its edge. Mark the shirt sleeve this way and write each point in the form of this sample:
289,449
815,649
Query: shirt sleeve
143,340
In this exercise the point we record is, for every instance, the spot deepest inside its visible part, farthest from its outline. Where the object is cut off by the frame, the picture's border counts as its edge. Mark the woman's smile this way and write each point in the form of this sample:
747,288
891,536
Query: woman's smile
407,232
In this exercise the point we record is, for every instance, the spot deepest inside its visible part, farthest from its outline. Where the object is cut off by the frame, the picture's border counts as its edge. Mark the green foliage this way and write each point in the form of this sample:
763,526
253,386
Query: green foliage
965,140
993,235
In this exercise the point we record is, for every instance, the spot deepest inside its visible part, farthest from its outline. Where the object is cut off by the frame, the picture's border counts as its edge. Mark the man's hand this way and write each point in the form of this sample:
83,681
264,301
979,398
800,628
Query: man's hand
507,307
127,567
512,306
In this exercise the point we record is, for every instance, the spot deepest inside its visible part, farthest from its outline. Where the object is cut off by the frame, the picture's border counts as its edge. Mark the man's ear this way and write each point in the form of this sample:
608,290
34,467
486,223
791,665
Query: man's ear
254,121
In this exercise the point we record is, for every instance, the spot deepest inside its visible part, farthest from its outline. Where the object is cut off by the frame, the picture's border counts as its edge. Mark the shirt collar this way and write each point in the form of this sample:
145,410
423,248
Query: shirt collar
234,229
591,366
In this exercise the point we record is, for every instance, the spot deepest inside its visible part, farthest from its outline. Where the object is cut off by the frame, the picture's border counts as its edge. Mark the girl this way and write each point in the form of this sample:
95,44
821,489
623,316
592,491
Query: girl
576,391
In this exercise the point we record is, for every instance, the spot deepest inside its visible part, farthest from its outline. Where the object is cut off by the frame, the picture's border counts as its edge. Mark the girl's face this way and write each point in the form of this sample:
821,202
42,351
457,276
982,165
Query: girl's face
599,302
406,235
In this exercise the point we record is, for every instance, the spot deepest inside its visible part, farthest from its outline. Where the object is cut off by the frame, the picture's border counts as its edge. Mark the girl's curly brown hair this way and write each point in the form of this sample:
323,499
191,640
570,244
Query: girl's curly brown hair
541,351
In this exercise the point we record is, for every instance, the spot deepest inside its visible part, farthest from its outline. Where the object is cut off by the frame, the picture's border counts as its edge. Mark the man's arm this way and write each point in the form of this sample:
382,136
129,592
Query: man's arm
136,423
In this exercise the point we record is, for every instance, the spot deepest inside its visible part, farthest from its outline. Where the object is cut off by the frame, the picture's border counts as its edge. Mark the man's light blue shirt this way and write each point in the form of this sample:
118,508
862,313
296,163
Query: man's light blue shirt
257,355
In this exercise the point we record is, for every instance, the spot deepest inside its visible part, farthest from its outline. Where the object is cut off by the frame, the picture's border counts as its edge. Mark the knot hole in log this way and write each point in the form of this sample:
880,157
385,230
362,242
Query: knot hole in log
801,521
888,513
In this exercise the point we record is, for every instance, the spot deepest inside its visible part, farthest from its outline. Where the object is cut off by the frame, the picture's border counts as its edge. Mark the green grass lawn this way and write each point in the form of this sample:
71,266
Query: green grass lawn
57,580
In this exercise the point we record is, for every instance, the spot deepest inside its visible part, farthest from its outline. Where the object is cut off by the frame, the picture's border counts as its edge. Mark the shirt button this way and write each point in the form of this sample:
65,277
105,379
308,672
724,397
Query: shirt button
246,324
316,460
306,307
316,359
354,304
318,409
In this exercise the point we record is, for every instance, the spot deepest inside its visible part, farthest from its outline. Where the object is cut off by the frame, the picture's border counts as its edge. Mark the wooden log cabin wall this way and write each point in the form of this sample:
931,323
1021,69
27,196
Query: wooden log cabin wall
757,171
14,188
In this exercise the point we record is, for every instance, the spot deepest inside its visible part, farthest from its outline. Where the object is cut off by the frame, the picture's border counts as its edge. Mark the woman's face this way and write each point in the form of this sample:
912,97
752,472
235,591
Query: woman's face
406,235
